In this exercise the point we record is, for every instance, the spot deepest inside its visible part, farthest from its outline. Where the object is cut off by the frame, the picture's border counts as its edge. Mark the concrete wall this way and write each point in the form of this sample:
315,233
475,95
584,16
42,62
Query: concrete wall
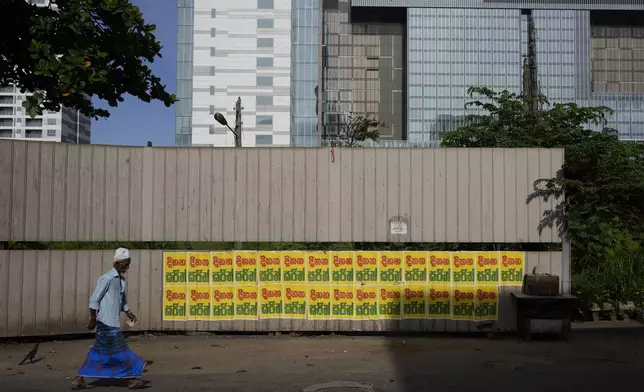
55,192
47,292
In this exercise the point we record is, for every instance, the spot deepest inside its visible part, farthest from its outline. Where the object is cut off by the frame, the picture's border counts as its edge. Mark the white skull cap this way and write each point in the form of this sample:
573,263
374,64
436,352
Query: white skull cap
121,254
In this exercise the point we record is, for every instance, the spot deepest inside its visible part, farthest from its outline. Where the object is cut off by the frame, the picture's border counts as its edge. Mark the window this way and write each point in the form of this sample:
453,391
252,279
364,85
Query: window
264,61
211,129
213,32
6,100
7,111
51,132
33,122
52,121
264,100
265,23
264,42
263,140
264,80
212,109
265,4
264,120
33,134
213,13
6,122
213,52
6,133
212,90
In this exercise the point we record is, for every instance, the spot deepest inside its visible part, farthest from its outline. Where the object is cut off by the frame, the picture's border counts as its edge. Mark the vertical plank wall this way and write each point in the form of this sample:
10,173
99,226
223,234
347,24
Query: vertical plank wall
47,292
65,192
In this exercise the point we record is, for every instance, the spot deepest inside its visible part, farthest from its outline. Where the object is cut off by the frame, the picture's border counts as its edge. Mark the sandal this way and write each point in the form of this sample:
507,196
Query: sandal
78,385
139,384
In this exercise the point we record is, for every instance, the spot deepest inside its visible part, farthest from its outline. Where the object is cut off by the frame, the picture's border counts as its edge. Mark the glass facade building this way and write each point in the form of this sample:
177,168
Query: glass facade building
410,63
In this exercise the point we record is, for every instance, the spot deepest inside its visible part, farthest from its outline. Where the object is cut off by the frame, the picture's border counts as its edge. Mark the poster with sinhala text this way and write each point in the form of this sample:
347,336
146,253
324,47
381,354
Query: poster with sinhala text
463,270
414,299
175,268
270,267
223,303
439,267
463,302
319,302
245,267
343,303
439,302
294,301
366,302
174,303
199,268
366,265
271,303
415,266
390,267
389,302
246,302
342,271
221,268
199,302
317,267
293,267
512,268
486,303
487,267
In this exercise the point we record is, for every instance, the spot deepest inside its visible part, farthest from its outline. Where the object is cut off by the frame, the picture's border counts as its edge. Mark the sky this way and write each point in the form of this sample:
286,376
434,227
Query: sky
134,122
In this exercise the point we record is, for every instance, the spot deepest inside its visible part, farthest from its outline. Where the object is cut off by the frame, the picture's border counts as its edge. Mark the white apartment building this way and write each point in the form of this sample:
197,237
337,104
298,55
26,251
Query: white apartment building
67,125
229,49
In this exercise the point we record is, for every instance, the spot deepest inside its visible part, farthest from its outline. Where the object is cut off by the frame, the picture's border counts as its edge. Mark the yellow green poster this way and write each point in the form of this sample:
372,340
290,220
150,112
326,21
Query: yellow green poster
317,268
390,267
223,303
438,302
199,268
294,267
271,301
389,302
439,267
463,302
366,265
319,302
414,302
246,267
246,302
415,266
486,304
342,270
487,268
175,267
463,270
270,266
174,302
221,268
198,302
512,268
366,302
343,303
294,301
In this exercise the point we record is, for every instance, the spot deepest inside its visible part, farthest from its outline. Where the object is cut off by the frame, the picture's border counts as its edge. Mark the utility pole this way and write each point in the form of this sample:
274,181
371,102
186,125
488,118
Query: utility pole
531,91
237,132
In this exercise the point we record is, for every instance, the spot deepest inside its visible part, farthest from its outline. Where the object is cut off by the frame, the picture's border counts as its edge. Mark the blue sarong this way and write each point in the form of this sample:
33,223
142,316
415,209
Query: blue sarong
110,357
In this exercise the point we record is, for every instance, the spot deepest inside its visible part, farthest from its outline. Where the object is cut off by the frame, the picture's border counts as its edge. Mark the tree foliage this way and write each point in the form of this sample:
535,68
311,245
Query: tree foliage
602,179
358,129
73,50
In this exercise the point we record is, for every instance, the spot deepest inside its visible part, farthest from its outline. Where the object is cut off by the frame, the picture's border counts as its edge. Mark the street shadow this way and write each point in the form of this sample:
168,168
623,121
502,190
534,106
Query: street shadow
113,383
593,360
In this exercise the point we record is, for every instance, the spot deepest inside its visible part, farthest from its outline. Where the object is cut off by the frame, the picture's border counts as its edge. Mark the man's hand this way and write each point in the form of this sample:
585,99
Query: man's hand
91,325
131,316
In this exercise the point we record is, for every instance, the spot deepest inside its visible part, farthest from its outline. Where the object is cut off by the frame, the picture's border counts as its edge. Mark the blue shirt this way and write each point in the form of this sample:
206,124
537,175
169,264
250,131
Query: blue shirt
109,298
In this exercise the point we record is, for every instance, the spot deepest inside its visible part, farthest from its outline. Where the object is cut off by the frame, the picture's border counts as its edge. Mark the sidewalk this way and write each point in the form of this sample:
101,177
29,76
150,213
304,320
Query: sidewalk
593,361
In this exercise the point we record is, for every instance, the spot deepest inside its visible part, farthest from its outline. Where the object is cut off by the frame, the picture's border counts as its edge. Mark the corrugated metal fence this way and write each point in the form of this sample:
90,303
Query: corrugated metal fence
63,192
47,293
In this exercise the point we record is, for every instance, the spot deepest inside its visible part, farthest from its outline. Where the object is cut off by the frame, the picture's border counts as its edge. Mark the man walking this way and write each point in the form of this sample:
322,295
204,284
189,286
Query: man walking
110,357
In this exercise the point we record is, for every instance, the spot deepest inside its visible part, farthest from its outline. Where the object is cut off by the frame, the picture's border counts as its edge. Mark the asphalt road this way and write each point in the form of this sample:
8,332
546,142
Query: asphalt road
592,361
